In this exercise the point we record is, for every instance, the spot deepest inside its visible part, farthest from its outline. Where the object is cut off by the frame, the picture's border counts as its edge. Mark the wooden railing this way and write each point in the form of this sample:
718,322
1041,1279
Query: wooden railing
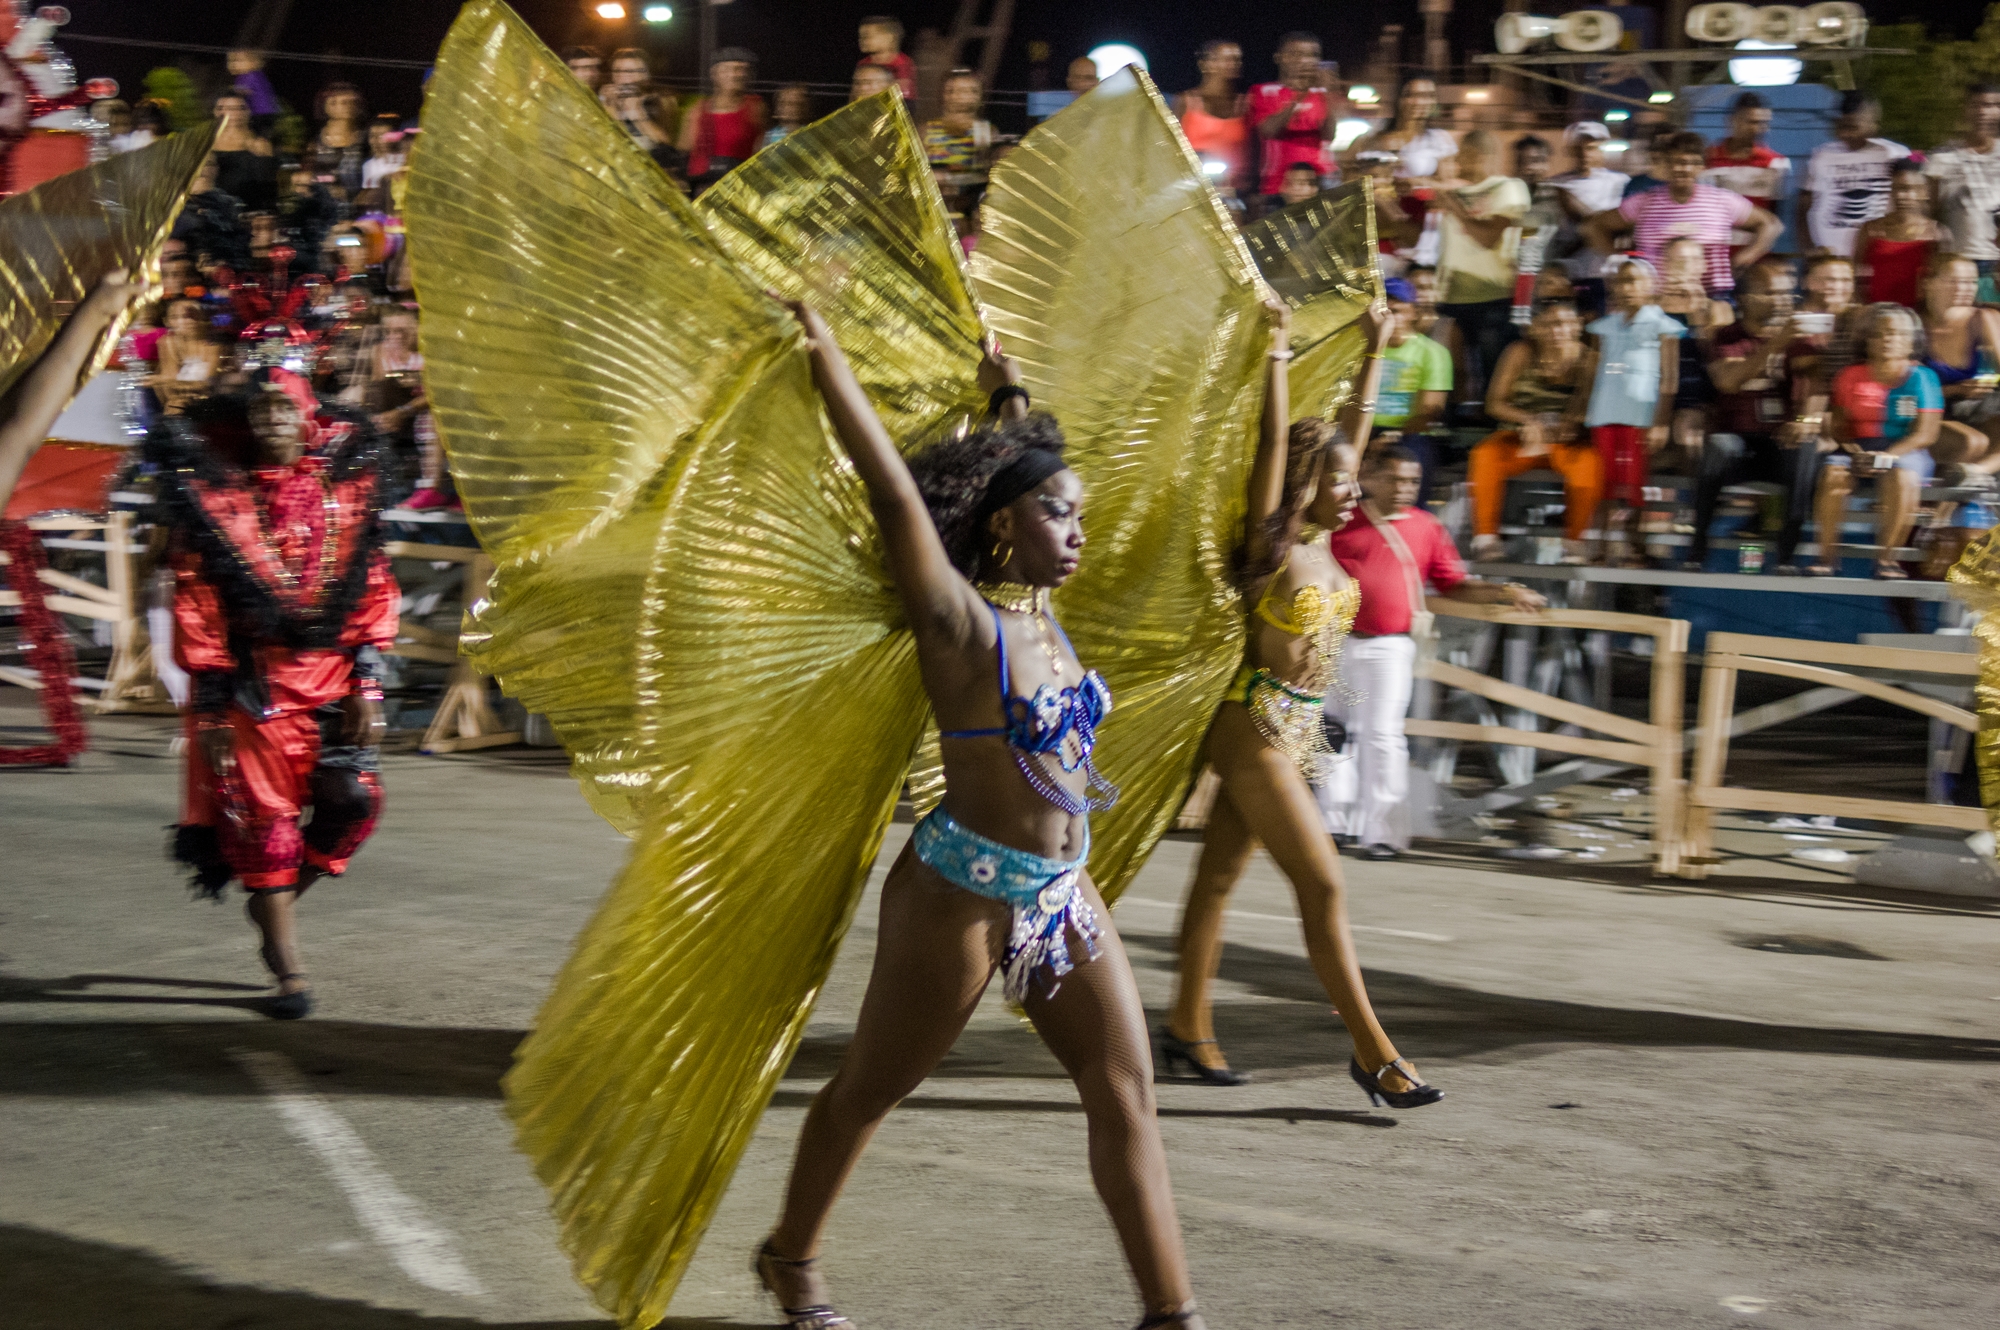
1655,743
1729,654
464,718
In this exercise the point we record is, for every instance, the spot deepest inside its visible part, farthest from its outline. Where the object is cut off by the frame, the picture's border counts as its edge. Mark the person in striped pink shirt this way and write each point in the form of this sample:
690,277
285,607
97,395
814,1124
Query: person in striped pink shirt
1687,207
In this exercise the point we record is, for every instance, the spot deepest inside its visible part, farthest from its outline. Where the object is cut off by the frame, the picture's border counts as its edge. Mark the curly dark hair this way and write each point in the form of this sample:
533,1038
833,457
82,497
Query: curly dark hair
1309,450
953,474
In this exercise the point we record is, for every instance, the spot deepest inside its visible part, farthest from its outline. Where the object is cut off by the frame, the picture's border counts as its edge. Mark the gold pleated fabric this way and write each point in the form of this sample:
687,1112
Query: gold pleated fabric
689,584
59,238
689,581
1112,271
1320,256
846,217
1977,577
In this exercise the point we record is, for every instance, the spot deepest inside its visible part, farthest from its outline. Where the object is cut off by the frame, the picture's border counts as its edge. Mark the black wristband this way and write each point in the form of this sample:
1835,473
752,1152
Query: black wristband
1003,394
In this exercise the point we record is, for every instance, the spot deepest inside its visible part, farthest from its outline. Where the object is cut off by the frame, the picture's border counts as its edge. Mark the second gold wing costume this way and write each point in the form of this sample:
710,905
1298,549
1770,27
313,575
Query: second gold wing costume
689,582
1113,273
1320,256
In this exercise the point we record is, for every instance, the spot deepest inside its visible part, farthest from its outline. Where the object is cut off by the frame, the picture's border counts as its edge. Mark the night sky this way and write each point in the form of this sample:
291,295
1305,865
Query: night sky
813,42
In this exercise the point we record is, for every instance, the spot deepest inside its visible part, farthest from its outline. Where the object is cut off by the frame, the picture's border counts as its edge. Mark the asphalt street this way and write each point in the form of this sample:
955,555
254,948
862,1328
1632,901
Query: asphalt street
1767,1098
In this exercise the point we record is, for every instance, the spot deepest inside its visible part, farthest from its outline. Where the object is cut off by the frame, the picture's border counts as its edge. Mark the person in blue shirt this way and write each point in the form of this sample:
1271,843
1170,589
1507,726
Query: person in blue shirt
1634,372
1886,412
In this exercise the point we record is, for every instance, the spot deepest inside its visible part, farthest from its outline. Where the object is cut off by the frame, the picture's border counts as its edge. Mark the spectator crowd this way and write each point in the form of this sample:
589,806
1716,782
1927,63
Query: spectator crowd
1612,322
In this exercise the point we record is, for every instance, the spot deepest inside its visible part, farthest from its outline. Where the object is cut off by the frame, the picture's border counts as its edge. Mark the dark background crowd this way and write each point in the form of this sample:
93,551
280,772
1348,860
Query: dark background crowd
1528,339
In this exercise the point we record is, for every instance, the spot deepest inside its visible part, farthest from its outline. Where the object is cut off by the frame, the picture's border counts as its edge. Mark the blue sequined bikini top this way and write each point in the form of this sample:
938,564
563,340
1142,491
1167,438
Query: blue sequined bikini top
1058,724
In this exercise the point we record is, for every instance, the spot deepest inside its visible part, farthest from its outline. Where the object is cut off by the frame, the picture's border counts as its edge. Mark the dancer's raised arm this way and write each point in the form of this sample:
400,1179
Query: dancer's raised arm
41,394
1267,473
1357,415
934,594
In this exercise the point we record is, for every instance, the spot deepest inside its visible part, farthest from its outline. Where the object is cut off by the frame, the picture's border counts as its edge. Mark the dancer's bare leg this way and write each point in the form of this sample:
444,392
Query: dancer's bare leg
1278,808
1226,847
935,953
1096,1027
276,917
936,948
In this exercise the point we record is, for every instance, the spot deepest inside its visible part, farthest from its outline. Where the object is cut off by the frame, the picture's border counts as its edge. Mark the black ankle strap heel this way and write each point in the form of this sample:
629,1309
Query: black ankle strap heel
1185,1316
1416,1096
1176,1051
818,1317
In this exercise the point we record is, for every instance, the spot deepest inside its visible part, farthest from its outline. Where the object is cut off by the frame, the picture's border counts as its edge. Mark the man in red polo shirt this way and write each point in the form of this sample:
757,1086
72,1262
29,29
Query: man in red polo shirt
1294,118
1394,551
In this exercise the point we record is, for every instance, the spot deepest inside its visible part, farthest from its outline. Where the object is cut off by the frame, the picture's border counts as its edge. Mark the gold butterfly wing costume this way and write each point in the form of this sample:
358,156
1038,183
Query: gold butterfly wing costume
689,583
63,235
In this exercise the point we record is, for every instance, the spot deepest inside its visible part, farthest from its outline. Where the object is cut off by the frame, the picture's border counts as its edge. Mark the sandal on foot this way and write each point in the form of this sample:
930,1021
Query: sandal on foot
1888,570
1186,1316
817,1317
1419,1093
289,1006
1175,1051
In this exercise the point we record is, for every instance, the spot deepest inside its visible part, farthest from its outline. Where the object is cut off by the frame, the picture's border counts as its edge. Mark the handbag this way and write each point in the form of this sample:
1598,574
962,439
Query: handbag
1423,624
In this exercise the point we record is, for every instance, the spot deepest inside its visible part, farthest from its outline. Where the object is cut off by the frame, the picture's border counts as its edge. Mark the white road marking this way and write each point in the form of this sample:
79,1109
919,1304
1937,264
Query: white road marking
1287,919
424,1250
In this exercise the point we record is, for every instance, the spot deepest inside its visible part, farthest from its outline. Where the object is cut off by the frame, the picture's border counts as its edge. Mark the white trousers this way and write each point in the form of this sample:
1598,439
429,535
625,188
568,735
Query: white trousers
1366,794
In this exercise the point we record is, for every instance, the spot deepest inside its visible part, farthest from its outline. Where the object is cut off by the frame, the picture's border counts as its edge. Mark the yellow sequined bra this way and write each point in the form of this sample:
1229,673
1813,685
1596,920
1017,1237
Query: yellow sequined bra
1291,718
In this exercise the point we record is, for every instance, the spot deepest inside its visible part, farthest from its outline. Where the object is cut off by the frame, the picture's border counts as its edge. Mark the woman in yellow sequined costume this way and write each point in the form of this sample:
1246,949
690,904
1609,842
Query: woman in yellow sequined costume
1269,736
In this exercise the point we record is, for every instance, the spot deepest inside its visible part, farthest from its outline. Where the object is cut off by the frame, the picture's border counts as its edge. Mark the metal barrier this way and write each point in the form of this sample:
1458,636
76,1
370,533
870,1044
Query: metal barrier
1731,653
1655,743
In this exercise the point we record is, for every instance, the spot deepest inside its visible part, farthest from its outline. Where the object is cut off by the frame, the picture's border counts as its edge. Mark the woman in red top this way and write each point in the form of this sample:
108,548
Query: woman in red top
1212,114
1890,251
724,128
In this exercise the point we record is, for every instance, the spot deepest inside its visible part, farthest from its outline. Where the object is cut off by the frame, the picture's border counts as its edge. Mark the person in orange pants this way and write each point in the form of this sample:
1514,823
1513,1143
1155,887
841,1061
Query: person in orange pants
1535,390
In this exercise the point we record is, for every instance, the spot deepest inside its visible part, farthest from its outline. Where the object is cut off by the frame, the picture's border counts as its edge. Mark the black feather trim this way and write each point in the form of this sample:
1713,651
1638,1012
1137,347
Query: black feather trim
200,848
256,615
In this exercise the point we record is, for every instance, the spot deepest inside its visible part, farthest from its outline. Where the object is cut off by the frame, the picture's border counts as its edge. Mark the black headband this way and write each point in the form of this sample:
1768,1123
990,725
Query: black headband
1019,476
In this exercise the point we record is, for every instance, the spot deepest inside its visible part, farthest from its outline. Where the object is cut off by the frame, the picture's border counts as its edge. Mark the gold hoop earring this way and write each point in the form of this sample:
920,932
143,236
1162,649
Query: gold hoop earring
1001,560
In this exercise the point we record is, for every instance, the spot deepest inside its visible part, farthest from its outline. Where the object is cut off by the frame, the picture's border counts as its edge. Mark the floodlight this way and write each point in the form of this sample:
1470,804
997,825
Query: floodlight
1767,71
657,13
1114,56
1345,132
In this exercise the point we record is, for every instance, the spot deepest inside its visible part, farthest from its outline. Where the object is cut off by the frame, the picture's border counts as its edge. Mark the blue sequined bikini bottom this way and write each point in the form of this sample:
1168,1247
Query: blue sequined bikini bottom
1046,895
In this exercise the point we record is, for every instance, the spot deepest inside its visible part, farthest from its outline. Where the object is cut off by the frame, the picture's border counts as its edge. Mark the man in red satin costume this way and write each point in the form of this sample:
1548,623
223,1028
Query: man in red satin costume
283,601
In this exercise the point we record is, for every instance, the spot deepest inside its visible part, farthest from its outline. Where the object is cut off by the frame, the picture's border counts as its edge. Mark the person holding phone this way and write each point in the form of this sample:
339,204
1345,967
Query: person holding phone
1886,412
1294,118
636,105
